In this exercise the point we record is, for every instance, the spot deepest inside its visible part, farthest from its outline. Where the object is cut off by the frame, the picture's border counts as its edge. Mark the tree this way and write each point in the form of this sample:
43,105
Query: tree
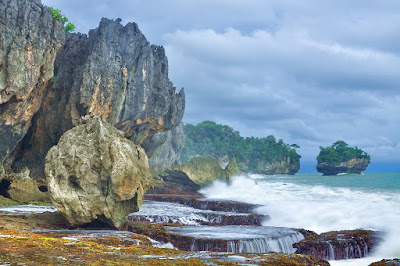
57,15
339,152
210,138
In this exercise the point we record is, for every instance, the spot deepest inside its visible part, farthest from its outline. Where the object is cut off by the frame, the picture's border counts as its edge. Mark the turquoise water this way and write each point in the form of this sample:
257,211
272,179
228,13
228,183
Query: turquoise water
323,203
364,182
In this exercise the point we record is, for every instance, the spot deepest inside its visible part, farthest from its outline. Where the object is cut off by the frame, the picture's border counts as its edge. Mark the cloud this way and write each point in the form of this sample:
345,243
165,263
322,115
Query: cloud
310,72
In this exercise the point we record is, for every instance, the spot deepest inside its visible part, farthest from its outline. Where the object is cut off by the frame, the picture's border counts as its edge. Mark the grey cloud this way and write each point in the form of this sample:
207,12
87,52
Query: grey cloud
310,72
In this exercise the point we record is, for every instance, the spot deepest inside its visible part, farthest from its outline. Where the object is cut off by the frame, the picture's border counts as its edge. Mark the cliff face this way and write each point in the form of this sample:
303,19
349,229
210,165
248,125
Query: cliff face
113,73
204,170
284,166
353,166
169,153
29,41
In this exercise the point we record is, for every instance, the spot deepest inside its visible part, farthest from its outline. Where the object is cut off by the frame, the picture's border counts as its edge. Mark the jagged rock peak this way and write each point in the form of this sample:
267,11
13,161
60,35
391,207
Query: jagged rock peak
114,73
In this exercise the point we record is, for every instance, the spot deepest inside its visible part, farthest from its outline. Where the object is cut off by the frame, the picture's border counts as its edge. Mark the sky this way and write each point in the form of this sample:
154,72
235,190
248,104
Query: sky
309,72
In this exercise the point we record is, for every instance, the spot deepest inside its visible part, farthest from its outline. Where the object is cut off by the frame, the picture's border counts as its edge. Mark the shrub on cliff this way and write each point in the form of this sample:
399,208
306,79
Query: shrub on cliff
340,152
210,138
58,16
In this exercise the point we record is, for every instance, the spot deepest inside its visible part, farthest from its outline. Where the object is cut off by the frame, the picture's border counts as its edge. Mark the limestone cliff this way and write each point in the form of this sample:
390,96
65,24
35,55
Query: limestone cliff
204,170
168,154
29,41
283,166
113,72
352,166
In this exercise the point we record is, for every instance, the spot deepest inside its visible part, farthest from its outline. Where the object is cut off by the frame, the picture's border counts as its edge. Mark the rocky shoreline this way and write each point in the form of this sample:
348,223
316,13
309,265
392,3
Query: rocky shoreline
218,226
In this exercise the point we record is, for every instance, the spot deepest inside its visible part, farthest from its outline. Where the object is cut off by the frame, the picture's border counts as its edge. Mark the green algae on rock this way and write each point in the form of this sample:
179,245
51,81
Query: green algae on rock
204,170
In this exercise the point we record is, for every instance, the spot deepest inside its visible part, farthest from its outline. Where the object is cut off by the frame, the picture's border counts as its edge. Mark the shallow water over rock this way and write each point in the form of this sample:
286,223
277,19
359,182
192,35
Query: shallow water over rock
237,239
166,212
28,209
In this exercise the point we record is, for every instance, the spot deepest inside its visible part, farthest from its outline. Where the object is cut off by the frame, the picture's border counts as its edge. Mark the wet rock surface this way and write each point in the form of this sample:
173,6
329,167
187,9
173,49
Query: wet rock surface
353,166
238,239
107,247
204,204
96,173
393,262
173,213
337,245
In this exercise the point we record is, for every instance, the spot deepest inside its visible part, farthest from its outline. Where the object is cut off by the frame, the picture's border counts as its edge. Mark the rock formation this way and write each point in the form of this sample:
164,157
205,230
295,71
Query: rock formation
113,73
29,41
339,245
203,171
96,173
284,166
387,262
353,166
169,153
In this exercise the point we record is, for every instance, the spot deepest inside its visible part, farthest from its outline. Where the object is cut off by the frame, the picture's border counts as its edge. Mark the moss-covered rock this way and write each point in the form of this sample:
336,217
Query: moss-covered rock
204,170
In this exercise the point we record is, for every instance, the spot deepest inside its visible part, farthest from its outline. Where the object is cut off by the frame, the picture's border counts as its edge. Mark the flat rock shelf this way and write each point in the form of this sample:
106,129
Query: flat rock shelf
167,212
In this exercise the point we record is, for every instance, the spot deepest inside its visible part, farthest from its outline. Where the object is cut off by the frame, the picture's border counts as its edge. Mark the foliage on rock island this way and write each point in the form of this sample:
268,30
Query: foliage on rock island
210,138
340,152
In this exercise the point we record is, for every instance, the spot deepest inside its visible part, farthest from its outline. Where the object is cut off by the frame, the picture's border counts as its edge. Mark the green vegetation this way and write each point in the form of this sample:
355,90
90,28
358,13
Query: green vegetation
58,16
339,152
210,138
132,69
53,79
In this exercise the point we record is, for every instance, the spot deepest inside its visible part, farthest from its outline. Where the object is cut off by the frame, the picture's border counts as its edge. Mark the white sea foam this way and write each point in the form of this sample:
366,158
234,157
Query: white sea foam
28,209
318,208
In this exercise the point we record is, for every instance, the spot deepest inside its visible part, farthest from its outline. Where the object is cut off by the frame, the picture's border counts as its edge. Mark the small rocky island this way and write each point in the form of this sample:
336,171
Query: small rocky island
340,158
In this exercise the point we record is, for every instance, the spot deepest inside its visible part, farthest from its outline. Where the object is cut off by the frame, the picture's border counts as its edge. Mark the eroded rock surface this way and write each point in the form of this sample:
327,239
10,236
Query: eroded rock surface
353,166
113,73
96,173
29,41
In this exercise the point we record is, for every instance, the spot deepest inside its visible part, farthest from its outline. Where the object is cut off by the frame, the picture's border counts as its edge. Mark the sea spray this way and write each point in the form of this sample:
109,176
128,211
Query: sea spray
319,208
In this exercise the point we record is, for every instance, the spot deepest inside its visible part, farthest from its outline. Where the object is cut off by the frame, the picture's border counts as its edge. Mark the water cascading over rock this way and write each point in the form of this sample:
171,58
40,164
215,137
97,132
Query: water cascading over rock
96,173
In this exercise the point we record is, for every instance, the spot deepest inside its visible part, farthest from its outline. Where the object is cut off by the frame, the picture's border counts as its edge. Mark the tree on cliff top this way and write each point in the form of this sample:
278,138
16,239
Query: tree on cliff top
340,152
57,15
210,138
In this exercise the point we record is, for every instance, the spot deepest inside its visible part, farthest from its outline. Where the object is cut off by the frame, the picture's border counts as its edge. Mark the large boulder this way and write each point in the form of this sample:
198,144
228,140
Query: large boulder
29,41
96,173
352,166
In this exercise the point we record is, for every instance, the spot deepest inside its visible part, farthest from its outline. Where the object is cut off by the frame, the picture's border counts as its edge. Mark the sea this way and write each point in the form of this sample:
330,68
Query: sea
324,203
